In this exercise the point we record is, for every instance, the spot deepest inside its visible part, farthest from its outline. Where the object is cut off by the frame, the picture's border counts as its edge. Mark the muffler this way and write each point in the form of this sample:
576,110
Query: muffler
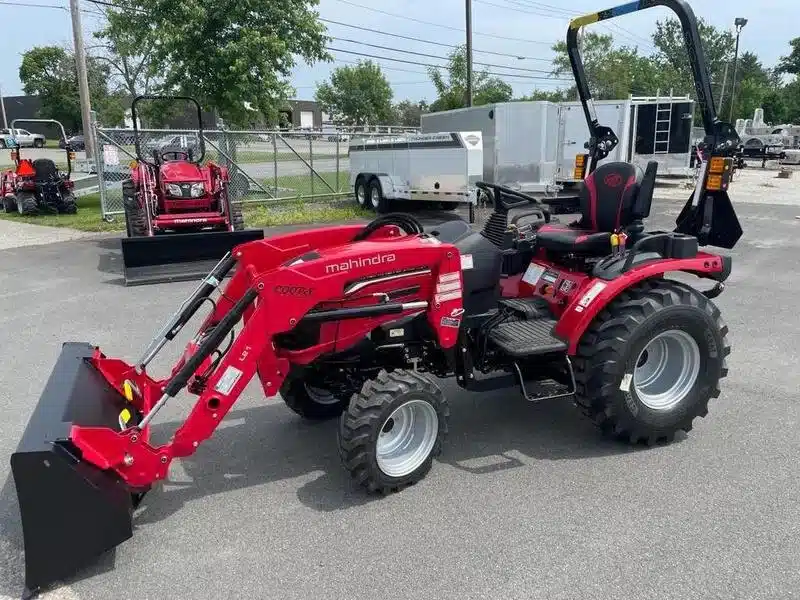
71,511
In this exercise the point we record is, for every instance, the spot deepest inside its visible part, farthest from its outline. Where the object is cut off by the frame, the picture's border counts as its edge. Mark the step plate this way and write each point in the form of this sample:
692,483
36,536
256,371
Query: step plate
527,338
529,308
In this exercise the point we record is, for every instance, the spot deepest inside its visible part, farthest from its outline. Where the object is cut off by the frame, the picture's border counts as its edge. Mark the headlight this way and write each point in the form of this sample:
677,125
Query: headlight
198,190
173,189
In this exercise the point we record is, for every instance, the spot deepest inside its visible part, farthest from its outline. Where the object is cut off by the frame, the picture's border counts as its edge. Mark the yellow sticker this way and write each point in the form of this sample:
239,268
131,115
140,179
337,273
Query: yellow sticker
125,416
127,390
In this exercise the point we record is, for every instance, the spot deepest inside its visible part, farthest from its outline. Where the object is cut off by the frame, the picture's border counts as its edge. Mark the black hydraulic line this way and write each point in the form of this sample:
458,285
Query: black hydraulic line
210,343
337,314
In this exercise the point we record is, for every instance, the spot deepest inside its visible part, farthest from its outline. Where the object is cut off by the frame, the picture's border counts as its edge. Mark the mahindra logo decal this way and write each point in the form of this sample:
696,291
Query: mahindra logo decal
613,180
472,140
357,263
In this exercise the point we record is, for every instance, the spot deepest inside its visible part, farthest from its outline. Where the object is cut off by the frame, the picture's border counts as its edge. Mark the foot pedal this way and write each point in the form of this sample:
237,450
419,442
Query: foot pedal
519,339
548,389
527,308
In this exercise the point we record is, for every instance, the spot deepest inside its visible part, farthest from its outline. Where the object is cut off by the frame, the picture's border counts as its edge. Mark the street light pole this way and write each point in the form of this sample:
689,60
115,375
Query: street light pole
83,80
739,23
469,52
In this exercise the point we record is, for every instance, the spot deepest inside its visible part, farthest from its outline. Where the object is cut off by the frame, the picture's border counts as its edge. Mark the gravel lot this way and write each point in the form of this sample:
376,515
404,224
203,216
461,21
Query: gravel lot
527,500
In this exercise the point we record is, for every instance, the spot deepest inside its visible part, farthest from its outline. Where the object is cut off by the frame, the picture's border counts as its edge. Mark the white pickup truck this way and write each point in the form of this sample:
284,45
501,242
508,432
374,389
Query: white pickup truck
23,137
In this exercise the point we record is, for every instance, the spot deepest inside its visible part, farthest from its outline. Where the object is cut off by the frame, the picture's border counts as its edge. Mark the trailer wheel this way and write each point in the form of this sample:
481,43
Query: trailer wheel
650,363
26,204
361,192
10,204
392,430
377,201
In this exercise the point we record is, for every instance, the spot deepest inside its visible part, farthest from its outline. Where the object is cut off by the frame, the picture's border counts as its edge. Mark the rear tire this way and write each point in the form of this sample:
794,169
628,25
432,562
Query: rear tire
377,201
639,391
315,404
392,430
135,218
69,204
10,204
26,204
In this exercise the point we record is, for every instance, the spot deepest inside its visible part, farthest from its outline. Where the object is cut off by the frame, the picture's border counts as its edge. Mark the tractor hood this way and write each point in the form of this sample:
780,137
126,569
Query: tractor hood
179,171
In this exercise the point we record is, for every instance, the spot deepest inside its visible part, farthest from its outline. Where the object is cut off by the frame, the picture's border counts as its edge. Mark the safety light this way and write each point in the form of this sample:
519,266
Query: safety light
14,155
714,183
580,166
717,165
72,156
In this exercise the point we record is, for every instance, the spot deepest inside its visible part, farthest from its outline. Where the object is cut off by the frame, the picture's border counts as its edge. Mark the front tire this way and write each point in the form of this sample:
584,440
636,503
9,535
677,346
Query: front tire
392,430
10,204
651,362
26,204
311,402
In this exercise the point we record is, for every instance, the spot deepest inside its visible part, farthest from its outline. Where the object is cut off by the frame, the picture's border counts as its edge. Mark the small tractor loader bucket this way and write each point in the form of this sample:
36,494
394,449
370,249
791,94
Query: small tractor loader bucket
71,511
180,256
712,221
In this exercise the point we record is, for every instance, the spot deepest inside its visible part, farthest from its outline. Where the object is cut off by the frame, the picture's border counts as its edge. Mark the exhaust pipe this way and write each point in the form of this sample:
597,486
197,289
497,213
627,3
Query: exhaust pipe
71,511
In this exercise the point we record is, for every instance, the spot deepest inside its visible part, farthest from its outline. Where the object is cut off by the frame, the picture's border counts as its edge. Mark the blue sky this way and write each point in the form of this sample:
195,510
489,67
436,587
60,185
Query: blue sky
507,28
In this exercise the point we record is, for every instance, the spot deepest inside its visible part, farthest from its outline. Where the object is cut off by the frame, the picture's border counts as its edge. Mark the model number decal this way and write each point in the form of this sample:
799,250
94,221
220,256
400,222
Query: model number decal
590,295
293,290
450,322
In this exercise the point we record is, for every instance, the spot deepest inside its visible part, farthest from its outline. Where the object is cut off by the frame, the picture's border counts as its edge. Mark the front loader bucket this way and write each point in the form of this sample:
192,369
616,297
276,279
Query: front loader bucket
71,511
179,256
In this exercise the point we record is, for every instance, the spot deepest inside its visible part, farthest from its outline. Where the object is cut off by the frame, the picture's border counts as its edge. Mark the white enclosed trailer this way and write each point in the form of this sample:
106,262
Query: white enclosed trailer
435,167
519,141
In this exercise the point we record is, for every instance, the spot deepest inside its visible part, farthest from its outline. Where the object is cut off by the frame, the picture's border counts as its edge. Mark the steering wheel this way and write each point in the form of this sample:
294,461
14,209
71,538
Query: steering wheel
175,154
498,191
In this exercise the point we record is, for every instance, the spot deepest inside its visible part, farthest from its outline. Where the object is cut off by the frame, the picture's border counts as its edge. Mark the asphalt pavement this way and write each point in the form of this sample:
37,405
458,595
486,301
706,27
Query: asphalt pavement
527,501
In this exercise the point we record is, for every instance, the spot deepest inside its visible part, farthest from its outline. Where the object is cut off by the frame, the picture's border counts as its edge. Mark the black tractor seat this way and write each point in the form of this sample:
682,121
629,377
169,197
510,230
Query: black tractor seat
450,231
45,170
612,199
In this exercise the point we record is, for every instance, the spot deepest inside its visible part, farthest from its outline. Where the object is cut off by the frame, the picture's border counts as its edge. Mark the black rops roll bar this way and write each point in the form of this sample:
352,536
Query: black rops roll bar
63,136
721,137
157,97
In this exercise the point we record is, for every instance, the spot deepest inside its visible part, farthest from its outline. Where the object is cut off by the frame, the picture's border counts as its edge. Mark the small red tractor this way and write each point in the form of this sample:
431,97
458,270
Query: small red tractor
37,186
179,215
357,323
172,191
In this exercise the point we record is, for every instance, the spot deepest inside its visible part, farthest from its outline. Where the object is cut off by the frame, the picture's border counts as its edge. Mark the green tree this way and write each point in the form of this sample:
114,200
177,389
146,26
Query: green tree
753,83
612,73
548,95
791,63
408,113
774,105
452,90
49,72
357,95
226,54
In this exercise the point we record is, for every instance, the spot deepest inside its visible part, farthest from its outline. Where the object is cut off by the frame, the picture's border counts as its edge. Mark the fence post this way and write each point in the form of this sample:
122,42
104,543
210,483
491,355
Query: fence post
99,165
275,161
311,161
338,178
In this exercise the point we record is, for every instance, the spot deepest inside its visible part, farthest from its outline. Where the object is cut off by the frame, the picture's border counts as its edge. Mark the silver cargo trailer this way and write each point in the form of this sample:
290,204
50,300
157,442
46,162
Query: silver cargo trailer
519,141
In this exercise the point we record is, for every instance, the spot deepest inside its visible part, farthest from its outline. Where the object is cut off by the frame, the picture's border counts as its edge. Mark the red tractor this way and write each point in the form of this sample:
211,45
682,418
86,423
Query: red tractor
172,191
357,323
37,186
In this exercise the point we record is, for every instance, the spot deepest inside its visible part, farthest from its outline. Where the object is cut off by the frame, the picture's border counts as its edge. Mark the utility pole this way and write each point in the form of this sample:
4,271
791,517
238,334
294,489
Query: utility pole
739,23
83,80
3,109
469,52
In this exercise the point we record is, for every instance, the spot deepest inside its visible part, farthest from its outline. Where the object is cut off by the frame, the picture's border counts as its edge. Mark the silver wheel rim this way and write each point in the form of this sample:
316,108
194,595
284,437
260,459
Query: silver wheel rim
407,438
361,195
320,395
666,370
375,197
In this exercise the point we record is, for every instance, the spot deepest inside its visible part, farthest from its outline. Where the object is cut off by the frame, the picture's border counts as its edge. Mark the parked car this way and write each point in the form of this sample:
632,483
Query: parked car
76,142
24,138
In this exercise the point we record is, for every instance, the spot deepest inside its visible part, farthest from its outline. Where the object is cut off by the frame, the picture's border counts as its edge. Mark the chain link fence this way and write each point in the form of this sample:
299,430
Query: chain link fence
267,167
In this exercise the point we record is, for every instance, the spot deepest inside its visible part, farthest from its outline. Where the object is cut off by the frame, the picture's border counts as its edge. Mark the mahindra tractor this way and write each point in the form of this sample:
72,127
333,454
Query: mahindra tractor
36,186
361,323
177,210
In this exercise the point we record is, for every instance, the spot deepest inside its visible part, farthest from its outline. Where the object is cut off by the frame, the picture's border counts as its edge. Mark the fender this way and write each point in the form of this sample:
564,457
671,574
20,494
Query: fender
598,293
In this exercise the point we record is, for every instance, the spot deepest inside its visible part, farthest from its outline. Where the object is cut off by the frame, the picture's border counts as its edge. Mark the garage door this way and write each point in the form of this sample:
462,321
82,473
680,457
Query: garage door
306,119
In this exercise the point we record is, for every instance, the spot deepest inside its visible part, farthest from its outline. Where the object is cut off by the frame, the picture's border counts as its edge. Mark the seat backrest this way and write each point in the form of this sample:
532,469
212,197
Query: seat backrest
608,195
45,170
641,206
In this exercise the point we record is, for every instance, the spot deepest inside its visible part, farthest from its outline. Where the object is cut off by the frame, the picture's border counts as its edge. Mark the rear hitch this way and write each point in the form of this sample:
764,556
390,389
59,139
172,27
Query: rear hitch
714,291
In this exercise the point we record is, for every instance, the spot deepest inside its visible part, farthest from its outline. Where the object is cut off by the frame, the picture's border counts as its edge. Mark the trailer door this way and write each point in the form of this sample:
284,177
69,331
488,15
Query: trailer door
574,133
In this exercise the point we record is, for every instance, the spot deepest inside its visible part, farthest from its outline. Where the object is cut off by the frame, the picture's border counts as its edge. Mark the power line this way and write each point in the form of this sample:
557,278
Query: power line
491,35
442,44
413,62
440,57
